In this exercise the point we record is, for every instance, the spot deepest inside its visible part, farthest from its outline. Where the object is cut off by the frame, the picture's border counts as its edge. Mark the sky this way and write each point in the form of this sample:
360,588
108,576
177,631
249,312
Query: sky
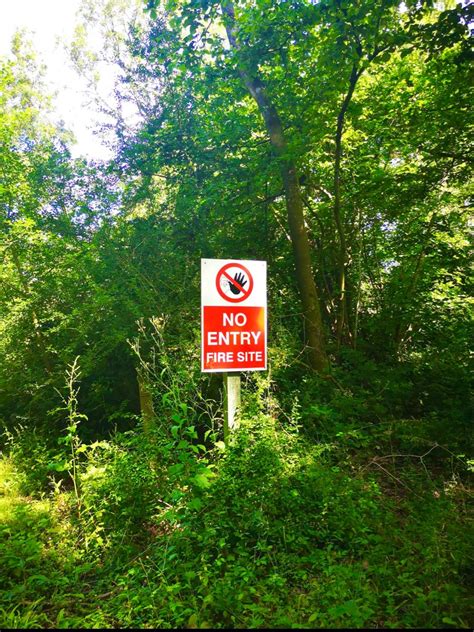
47,22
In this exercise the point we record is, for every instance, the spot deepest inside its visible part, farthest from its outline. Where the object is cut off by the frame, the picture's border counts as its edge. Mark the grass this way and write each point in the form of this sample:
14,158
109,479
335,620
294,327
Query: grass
277,532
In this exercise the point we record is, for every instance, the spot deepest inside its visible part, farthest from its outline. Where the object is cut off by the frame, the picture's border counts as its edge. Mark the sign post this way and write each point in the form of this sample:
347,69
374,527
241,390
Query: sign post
231,403
233,325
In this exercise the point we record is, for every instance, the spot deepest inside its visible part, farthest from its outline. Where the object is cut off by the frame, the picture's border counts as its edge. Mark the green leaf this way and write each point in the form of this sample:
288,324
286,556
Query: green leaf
449,621
195,503
174,431
202,480
59,466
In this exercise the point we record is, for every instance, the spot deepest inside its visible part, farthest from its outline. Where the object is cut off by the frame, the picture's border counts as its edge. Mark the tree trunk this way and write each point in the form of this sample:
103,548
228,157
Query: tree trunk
403,325
294,204
342,315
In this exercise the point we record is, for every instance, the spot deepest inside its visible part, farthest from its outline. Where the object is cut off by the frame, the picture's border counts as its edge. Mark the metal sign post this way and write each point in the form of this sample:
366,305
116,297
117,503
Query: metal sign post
233,325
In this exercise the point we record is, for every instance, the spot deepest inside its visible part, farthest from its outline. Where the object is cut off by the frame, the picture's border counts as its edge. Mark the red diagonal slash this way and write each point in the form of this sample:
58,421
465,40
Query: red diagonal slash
231,280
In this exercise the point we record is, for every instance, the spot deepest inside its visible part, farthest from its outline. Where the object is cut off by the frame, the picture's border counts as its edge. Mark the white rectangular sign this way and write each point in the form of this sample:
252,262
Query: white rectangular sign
233,315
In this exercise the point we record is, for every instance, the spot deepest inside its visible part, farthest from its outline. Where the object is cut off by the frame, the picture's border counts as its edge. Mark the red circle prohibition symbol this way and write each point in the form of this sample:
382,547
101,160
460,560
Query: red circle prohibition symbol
245,293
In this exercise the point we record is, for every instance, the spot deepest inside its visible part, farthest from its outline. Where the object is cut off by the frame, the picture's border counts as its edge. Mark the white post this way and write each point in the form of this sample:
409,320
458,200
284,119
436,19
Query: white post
231,403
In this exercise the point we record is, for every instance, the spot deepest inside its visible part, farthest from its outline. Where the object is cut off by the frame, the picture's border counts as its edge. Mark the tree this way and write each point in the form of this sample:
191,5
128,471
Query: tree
294,204
245,65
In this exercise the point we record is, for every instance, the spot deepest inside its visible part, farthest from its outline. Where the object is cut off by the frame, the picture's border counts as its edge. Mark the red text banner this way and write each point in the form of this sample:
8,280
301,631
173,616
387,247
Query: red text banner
233,338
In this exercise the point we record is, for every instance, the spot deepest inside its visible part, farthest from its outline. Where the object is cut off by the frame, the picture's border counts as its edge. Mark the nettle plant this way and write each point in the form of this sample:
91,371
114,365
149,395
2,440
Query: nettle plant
78,454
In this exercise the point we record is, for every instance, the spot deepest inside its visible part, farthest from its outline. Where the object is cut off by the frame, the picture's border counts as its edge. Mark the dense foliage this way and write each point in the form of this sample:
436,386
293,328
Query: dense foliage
333,140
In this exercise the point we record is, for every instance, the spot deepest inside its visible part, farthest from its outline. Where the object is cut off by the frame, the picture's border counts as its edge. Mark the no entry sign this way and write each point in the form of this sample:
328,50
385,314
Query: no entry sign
233,315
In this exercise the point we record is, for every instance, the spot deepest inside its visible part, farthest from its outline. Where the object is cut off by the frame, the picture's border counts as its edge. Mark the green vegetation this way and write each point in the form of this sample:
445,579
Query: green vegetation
334,141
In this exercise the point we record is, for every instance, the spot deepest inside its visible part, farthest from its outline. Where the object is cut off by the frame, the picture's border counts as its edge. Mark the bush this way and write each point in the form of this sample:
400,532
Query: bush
31,454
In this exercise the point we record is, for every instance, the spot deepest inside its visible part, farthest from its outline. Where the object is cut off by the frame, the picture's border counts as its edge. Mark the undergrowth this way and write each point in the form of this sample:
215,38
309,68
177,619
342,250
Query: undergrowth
291,525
